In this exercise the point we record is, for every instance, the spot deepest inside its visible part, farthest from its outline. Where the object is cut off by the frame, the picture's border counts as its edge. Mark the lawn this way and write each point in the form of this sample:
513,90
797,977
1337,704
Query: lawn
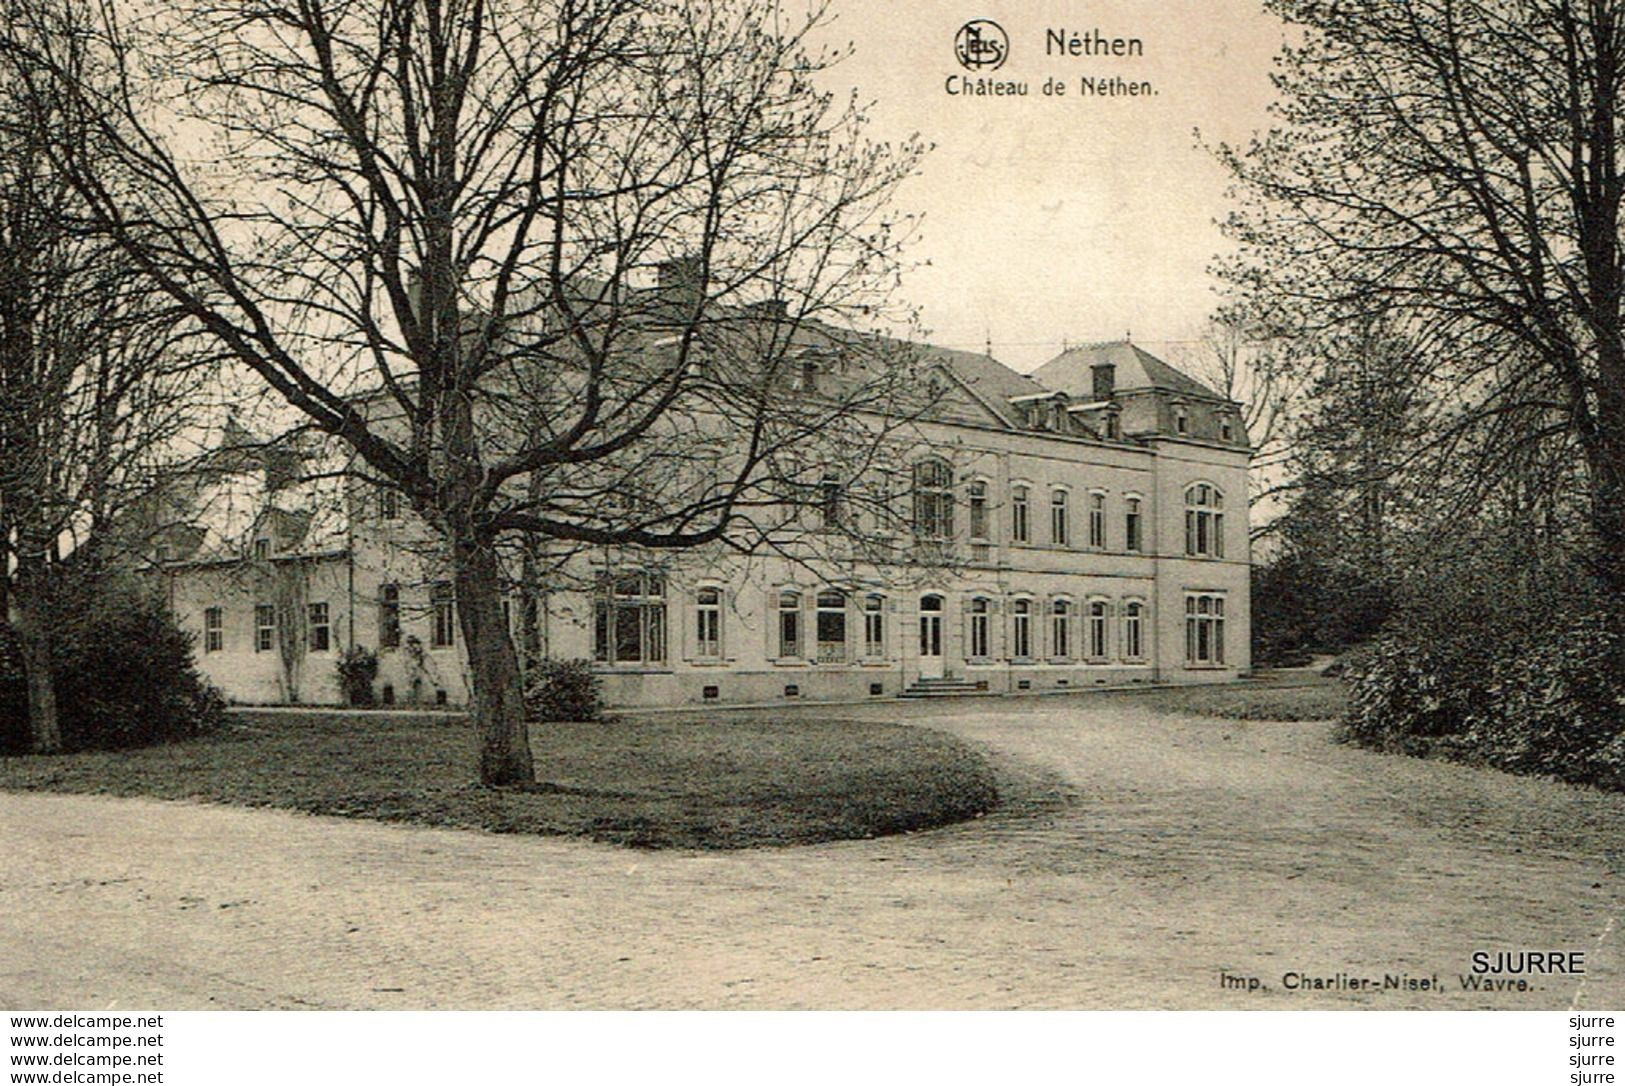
732,782
1306,697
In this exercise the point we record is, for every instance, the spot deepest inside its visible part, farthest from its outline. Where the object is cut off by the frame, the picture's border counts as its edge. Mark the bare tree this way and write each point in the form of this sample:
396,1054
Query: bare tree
97,389
1453,165
1254,365
568,268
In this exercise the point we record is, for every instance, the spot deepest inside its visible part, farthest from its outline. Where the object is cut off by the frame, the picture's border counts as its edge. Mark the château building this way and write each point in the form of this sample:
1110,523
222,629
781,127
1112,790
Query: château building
1089,521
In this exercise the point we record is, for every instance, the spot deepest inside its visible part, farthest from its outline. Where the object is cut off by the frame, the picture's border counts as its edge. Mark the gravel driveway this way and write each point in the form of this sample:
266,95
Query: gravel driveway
1153,856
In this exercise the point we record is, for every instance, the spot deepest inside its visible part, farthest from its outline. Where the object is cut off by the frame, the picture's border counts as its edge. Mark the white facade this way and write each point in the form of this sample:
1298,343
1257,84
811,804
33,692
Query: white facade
1103,554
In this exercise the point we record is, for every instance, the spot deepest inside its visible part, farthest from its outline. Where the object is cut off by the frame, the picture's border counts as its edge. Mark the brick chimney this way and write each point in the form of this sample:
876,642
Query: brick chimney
679,275
1105,381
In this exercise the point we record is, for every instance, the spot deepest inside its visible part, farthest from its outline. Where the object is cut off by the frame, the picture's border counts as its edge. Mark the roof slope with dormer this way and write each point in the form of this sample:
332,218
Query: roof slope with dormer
1072,371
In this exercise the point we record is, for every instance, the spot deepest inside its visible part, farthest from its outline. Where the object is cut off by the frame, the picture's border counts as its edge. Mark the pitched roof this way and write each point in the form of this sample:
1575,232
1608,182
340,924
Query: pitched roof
1072,371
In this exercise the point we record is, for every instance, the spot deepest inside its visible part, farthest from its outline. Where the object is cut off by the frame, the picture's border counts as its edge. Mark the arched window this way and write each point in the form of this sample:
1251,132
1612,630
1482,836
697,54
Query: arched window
1134,630
1020,522
708,623
933,500
1060,639
789,624
1097,630
874,627
1097,521
978,510
981,640
831,628
1204,630
1204,521
1060,522
1021,629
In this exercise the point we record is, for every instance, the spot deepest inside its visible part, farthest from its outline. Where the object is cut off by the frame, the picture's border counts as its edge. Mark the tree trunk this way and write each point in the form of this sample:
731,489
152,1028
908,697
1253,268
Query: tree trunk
28,618
493,666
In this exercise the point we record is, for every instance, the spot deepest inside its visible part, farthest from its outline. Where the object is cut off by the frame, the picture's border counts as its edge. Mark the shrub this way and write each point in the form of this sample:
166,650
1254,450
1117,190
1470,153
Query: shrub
562,690
124,674
1528,690
357,668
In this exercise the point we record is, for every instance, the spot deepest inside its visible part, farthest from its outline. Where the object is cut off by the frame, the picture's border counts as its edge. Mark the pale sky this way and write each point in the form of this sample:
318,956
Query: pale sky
1076,218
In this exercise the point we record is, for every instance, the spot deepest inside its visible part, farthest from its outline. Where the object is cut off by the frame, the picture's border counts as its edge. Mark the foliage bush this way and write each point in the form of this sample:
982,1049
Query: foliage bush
357,669
1526,676
562,690
124,673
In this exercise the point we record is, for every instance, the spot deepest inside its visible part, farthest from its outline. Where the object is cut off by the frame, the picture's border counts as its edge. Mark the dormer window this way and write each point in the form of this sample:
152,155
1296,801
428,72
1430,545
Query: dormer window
389,504
1113,426
262,548
1182,419
1227,428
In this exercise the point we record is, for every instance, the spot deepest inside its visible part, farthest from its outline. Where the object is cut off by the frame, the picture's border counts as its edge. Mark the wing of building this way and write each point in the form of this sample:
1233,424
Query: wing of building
1087,526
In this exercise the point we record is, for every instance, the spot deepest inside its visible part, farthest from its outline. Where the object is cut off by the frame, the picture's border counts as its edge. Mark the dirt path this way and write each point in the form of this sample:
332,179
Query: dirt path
1187,848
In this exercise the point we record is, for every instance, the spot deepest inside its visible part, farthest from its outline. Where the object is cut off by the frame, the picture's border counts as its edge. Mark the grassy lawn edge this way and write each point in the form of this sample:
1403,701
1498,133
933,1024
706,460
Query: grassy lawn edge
728,783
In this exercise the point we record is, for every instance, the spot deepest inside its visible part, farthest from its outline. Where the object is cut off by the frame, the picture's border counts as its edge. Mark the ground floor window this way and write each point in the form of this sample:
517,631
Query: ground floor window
1134,630
264,627
214,636
443,612
1021,629
318,627
874,627
708,623
1061,629
629,620
831,627
789,625
1097,630
1204,629
981,640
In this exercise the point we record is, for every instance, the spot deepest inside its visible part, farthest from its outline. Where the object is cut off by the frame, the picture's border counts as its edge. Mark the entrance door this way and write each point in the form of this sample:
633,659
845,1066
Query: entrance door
931,637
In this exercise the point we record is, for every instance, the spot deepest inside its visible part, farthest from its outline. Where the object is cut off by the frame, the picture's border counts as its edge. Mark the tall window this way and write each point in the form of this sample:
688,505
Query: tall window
1021,629
1020,531
1204,629
389,504
1060,628
1097,521
264,627
1134,630
1182,419
789,624
389,616
1204,521
1059,520
981,641
318,628
874,627
1097,630
978,510
1131,525
629,620
831,499
214,633
262,549
831,626
708,623
443,615
933,500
